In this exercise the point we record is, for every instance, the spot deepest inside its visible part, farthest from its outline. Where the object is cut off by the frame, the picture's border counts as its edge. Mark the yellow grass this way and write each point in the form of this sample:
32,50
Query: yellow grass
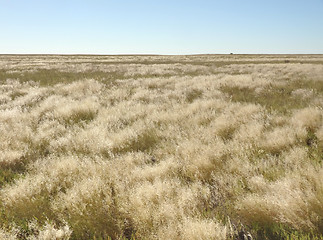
161,147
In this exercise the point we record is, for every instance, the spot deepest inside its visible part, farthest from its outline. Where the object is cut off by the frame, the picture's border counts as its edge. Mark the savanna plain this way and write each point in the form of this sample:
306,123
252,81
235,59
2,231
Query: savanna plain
161,147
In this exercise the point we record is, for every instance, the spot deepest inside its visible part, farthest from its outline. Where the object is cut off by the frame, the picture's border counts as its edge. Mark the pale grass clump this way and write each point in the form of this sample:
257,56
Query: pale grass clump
5,235
295,158
48,231
278,120
49,176
80,88
91,140
235,116
78,198
92,205
66,110
159,69
194,229
199,162
11,157
75,111
287,201
319,134
251,132
279,71
15,135
33,95
280,203
310,118
236,160
10,85
245,81
4,99
303,93
141,139
160,203
278,139
162,170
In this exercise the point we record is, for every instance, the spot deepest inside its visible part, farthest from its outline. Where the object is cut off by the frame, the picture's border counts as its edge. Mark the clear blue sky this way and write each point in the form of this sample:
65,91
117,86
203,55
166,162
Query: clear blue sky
161,27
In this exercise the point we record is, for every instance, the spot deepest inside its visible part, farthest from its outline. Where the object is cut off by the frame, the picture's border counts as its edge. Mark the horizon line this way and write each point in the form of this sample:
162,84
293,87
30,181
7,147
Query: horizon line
147,54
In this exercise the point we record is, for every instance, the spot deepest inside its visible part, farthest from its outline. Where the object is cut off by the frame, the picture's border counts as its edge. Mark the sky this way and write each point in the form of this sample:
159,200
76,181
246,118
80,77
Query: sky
161,27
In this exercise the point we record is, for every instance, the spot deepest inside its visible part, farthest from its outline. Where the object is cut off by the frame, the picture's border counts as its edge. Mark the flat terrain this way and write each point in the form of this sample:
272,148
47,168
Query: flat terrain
161,147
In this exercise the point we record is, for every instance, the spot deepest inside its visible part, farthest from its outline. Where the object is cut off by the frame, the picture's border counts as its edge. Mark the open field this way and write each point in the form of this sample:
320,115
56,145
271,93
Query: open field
161,147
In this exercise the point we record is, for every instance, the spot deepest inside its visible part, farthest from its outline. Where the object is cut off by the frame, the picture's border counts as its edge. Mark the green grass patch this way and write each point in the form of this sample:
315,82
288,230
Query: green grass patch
193,94
277,98
17,94
315,148
282,232
144,142
81,116
51,77
11,171
272,98
7,176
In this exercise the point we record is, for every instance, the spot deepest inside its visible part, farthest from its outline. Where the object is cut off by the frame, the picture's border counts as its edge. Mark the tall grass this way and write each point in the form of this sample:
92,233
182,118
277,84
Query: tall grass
156,147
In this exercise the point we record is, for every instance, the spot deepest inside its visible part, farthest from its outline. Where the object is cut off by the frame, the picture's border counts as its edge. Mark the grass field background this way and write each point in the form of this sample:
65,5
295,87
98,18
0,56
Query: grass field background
161,147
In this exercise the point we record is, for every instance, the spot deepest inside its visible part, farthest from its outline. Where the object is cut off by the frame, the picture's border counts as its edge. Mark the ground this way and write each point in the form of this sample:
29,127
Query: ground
161,147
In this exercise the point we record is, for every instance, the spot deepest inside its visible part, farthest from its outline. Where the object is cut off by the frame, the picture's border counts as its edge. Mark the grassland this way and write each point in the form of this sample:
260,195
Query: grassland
161,147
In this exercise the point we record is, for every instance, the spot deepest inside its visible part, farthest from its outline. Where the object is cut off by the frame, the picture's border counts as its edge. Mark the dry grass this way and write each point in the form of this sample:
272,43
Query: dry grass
161,147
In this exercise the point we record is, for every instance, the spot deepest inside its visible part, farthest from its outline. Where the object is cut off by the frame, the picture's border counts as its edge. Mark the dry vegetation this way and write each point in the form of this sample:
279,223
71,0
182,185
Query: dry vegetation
161,147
